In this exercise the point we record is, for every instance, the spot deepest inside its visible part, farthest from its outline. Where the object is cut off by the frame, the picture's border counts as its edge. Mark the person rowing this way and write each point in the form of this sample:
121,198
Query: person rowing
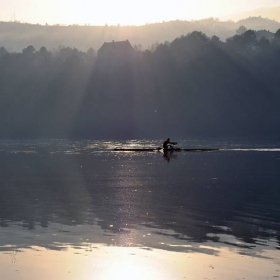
167,145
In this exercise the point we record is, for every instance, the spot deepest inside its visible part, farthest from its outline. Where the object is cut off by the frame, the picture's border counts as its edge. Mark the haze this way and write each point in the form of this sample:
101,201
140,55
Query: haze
123,12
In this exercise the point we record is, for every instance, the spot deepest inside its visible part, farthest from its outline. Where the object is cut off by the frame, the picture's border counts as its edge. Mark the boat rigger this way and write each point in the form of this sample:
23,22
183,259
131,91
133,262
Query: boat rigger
161,149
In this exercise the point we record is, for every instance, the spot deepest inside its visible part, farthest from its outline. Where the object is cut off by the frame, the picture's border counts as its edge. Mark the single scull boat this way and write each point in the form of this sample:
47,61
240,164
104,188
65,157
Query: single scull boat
161,149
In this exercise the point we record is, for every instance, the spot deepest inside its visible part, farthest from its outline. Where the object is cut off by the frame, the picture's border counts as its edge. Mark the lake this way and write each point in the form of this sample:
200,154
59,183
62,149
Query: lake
78,210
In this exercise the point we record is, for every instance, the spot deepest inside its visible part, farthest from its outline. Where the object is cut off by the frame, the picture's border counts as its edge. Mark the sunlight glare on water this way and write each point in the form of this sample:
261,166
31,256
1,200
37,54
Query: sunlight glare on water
79,210
119,263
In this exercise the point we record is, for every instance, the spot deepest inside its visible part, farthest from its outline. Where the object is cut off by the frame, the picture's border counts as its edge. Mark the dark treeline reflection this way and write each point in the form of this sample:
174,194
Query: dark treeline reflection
193,86
197,194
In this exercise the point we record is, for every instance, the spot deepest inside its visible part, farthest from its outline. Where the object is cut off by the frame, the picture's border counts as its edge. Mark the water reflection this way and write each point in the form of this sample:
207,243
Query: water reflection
54,199
168,155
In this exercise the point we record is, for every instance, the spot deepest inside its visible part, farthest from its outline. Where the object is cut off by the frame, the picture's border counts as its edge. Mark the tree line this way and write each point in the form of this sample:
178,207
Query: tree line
84,37
194,86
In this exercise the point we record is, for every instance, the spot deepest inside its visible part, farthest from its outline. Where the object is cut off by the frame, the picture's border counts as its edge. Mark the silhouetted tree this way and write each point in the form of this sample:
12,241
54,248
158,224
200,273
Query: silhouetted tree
264,43
277,37
29,50
215,39
242,29
3,51
91,52
247,41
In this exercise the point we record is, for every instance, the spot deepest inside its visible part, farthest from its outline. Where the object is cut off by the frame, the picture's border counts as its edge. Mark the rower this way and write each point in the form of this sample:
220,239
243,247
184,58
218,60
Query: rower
167,145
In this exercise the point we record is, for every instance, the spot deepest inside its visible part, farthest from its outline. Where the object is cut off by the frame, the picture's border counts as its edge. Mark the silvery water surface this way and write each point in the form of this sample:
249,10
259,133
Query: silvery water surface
58,193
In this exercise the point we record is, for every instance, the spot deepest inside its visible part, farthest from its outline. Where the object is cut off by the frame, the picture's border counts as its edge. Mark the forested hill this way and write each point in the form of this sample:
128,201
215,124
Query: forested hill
16,36
267,12
195,86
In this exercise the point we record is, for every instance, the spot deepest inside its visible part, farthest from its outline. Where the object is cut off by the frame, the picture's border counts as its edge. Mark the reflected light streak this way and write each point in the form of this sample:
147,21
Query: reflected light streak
127,200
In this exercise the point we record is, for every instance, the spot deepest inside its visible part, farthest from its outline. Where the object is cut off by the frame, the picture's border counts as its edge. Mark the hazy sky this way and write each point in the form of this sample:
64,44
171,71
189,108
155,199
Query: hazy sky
124,12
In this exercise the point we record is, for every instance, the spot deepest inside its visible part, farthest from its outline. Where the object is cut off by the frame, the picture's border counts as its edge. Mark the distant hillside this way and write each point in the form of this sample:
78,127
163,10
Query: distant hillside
266,34
259,23
271,13
15,36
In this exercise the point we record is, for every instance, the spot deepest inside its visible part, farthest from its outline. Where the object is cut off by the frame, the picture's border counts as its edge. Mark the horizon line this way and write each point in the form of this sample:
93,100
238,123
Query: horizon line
217,19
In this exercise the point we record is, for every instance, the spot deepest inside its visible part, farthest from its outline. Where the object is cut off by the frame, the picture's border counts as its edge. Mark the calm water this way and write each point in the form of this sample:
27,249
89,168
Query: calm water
63,196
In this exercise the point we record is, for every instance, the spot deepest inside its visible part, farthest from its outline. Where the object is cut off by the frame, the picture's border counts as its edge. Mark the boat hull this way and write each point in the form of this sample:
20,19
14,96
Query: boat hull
160,149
